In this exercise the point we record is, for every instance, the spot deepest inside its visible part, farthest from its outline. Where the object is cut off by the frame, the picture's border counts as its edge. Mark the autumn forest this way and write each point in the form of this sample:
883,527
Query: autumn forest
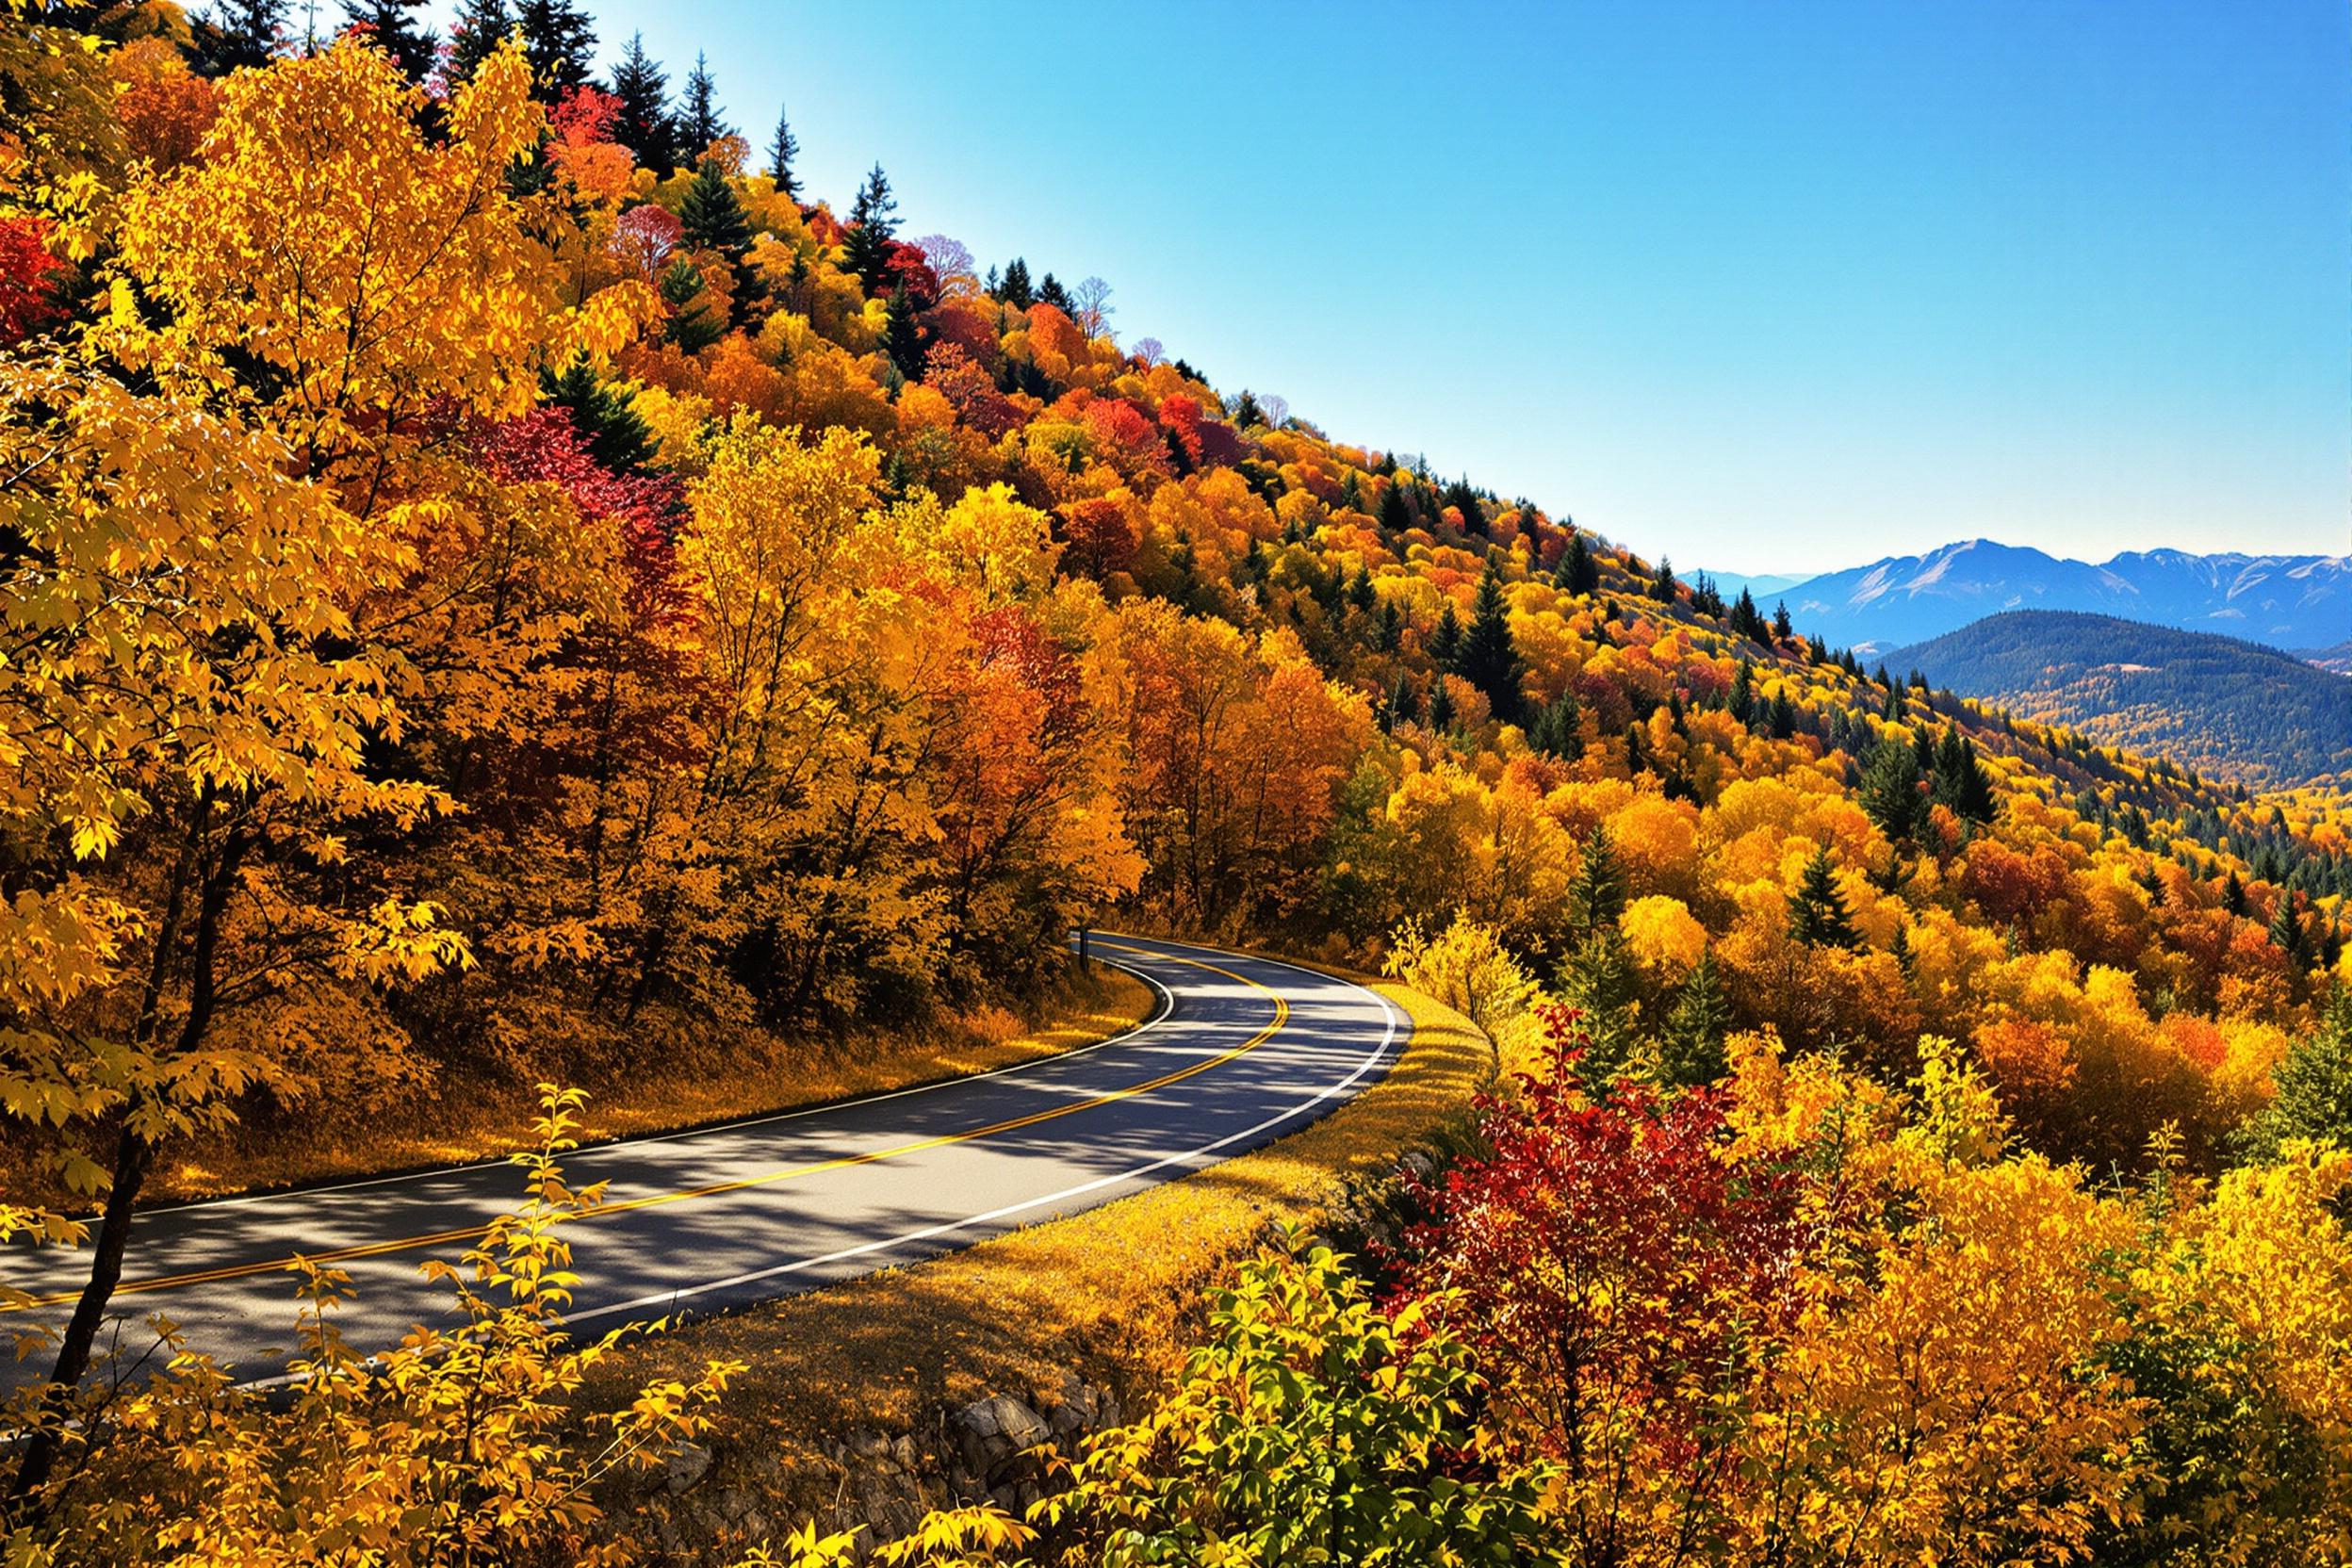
508,593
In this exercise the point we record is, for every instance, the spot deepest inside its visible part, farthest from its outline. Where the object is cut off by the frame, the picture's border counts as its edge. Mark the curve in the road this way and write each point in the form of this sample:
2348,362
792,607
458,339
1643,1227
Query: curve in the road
1242,1050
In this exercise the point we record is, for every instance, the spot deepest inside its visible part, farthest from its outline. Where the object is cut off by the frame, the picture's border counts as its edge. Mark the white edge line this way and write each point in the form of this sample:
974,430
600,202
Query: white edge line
928,1232
1165,1006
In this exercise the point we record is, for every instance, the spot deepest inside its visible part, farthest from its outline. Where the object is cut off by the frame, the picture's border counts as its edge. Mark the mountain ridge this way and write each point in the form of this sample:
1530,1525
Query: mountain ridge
2227,707
2284,602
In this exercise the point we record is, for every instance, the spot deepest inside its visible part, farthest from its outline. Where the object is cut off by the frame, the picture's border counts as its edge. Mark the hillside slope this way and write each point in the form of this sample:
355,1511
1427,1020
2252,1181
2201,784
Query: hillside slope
2224,707
2286,601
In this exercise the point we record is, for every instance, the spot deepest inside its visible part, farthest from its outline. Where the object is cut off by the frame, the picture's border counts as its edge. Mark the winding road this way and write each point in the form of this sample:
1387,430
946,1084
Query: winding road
1241,1051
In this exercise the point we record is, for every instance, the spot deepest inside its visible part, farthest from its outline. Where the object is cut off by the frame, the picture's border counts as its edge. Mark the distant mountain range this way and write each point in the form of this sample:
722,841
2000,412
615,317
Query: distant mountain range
2227,707
2293,601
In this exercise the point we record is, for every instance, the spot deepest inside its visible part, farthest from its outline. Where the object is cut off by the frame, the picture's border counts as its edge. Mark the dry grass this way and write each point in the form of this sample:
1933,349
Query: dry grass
1113,1295
471,1116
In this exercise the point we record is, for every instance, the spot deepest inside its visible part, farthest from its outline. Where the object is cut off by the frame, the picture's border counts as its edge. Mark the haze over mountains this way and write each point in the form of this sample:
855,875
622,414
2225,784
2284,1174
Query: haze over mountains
2295,602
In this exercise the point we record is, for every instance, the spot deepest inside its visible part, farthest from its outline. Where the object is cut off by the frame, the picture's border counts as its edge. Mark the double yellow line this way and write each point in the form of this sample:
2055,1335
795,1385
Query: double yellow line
474,1233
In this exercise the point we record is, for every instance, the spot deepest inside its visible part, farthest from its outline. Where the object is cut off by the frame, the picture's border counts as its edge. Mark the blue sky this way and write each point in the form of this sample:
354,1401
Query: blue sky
1766,285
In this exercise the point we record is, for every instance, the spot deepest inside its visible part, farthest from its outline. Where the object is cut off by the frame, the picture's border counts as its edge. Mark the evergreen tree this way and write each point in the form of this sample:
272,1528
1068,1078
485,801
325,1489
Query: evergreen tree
698,122
1599,981
1559,728
1441,706
559,43
1890,791
1817,916
781,152
1360,593
1961,782
1015,290
1747,620
616,436
2287,934
392,26
1635,762
2233,894
902,338
2312,1089
480,26
867,249
711,216
1741,702
1050,292
1466,501
1579,573
1391,635
1446,641
1404,703
1901,949
1692,1048
1488,659
237,35
1662,582
691,326
1396,515
644,124
1596,894
1782,627
1782,721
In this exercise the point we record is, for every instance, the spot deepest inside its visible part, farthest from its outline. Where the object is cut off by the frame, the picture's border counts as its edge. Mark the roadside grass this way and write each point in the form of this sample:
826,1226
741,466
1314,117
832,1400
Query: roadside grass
1113,1295
473,1115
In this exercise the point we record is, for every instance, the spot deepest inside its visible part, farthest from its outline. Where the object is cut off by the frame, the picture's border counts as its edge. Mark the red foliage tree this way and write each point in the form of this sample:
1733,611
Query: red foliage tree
1608,1260
29,276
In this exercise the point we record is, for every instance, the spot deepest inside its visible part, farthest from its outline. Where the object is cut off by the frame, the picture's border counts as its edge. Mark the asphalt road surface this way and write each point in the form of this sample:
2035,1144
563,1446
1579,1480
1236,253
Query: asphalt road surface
1242,1050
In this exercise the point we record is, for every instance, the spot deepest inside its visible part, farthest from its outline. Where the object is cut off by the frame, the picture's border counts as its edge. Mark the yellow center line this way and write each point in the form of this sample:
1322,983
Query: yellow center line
474,1233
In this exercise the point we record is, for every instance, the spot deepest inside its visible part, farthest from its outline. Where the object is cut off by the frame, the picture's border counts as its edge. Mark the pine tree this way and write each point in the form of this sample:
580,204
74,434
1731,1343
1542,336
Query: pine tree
1890,791
1817,916
902,339
1395,517
1692,1048
1578,572
392,26
2287,934
237,34
644,125
2233,896
1441,706
1596,894
1782,720
1741,701
1360,593
1446,641
1599,981
867,250
1782,627
781,152
2312,1094
691,326
1391,635
1559,728
1050,292
711,216
560,41
1015,290
1662,582
698,122
1488,659
616,436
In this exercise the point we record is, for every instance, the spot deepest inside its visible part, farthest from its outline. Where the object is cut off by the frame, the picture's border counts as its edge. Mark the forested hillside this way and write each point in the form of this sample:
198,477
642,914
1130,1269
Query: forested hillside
500,578
2230,709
